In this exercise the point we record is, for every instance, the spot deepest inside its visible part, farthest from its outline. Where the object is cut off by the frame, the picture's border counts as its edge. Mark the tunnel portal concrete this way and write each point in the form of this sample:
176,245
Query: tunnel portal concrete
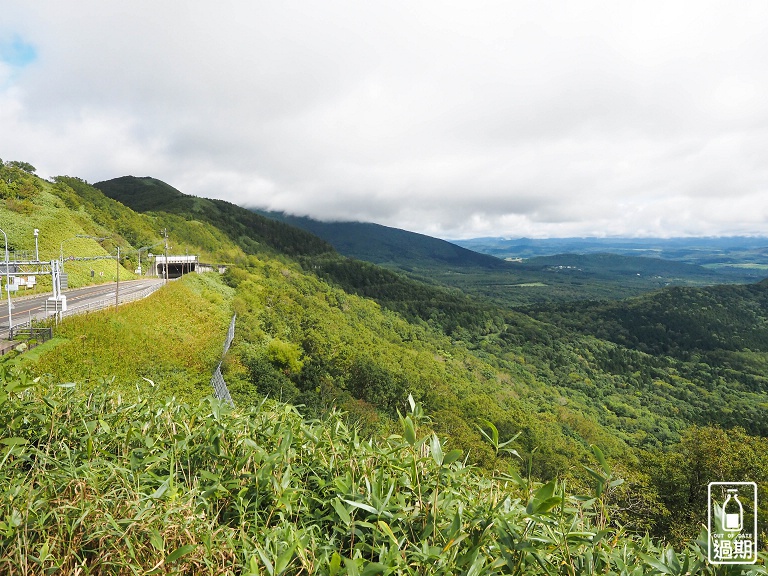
177,266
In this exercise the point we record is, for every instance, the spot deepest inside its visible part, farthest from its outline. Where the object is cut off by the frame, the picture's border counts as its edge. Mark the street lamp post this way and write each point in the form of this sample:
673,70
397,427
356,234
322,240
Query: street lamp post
37,253
8,283
57,295
117,287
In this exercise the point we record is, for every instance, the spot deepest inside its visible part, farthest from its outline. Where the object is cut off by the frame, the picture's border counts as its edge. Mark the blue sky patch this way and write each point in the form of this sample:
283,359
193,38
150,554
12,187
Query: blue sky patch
17,53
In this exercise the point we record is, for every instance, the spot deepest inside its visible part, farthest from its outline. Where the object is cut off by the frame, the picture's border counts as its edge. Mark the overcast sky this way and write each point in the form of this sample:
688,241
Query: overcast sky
455,119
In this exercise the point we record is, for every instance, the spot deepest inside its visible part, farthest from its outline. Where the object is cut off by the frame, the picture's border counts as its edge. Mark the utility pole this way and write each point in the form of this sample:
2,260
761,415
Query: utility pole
165,234
117,287
8,284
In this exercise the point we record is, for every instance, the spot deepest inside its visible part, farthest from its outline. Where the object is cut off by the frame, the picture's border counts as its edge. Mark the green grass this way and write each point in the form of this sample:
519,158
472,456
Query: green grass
31,357
59,227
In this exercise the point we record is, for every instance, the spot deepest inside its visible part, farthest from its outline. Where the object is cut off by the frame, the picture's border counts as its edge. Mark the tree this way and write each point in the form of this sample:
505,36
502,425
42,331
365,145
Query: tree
26,166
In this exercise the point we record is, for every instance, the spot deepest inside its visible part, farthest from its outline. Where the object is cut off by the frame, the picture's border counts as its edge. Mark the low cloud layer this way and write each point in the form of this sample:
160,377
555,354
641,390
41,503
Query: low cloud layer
453,119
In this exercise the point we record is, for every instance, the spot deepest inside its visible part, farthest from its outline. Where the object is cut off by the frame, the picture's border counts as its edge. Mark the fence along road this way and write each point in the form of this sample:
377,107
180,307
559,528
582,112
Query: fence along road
217,380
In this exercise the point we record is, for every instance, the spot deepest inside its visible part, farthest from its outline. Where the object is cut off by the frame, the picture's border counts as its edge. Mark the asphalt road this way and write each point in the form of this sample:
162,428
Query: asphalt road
24,309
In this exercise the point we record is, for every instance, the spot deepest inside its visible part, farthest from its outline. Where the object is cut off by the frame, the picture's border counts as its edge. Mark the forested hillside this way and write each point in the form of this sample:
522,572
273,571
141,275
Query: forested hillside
253,233
525,396
679,322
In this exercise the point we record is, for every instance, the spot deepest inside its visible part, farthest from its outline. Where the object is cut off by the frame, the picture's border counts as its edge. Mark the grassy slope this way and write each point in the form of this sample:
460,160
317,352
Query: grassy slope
354,354
185,234
174,338
58,224
69,207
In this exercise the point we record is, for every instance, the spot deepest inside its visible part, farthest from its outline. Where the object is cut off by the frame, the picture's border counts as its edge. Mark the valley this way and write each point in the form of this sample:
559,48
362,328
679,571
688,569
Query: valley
551,270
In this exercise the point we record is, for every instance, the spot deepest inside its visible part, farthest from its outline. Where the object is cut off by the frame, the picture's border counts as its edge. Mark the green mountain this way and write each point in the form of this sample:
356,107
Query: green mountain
249,230
390,247
255,234
523,394
146,194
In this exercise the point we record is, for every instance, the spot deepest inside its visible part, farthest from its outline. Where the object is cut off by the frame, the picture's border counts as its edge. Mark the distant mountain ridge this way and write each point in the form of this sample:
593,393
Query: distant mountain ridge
723,251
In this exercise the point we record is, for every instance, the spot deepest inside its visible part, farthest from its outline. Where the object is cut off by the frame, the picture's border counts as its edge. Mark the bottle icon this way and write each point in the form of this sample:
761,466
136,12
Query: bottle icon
733,512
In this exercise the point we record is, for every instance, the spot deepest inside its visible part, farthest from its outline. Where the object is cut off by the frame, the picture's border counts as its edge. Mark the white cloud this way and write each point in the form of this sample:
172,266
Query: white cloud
506,118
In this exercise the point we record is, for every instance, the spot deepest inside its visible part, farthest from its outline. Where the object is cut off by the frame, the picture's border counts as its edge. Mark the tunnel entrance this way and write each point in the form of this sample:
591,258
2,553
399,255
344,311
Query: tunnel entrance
177,266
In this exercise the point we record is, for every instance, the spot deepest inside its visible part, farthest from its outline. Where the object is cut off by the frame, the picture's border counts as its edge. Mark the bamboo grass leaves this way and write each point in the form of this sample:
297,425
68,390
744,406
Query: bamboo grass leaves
98,485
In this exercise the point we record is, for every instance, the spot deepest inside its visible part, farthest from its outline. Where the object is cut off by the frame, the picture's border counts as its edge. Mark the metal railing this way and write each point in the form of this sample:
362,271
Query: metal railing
24,330
30,335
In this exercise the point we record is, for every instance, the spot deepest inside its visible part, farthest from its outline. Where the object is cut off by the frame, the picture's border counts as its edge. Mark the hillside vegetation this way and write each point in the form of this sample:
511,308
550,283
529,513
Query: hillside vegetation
327,333
77,222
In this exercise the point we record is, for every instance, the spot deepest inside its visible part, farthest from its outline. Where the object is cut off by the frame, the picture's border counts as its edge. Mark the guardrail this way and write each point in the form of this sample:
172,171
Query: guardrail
104,303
